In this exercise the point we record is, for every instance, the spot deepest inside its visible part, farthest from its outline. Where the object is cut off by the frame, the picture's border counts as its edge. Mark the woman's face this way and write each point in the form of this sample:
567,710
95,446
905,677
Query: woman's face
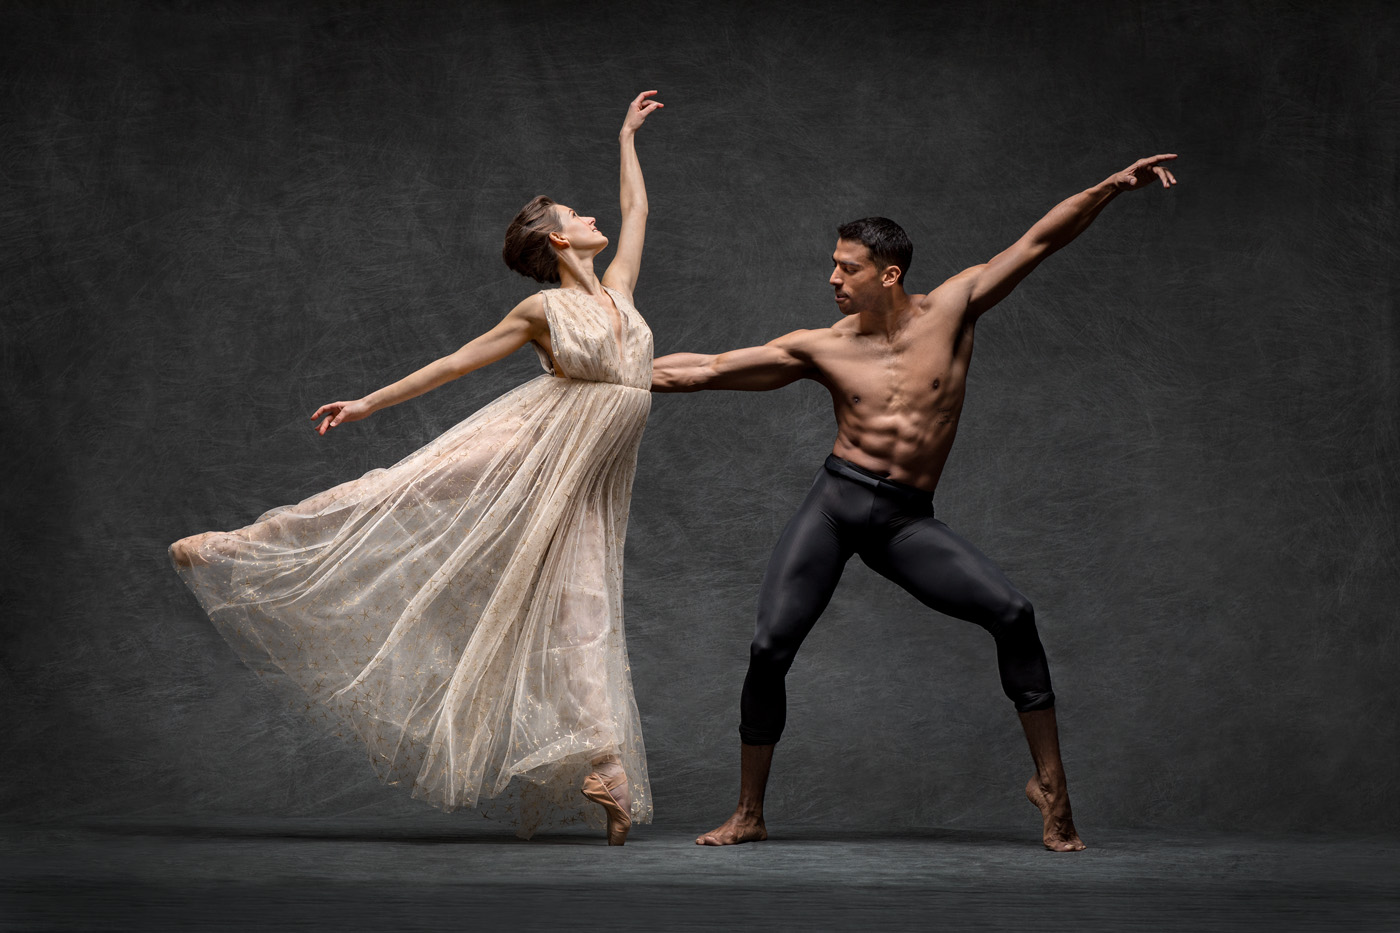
581,232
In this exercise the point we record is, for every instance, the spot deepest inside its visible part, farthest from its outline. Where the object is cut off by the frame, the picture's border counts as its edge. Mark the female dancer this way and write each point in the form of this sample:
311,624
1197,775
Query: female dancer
461,611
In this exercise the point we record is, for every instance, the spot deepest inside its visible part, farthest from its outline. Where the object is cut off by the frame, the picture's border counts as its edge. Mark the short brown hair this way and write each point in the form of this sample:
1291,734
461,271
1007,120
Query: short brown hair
888,243
528,250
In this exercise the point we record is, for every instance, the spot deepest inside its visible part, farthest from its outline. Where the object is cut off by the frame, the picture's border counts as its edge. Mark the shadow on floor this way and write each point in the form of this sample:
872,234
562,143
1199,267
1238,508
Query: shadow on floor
363,874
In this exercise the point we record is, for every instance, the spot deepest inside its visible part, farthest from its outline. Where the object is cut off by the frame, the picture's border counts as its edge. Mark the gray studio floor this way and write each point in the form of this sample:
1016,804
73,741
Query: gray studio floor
346,874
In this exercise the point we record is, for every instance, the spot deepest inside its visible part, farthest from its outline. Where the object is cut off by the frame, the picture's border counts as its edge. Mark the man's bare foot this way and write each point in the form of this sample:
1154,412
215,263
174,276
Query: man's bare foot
1059,834
738,828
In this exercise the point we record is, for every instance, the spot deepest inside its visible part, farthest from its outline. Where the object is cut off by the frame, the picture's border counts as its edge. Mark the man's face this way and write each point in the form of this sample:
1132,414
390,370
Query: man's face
855,277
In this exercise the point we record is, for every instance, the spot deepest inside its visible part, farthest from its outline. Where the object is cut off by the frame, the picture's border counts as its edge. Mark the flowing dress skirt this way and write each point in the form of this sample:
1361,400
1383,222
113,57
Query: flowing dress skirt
460,612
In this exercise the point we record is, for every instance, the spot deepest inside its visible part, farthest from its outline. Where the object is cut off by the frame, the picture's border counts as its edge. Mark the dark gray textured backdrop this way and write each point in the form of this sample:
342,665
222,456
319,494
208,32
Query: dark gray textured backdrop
1180,437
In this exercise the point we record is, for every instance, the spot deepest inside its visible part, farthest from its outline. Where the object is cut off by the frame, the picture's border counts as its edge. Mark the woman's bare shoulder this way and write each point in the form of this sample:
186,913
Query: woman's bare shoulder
531,309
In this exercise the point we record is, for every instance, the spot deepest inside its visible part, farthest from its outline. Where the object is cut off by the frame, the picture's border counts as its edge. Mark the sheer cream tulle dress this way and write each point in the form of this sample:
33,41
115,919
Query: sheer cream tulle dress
461,611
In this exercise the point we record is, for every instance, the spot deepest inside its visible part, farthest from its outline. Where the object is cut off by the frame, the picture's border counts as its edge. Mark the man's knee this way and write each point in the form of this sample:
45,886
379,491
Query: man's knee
1015,619
763,707
772,656
1025,675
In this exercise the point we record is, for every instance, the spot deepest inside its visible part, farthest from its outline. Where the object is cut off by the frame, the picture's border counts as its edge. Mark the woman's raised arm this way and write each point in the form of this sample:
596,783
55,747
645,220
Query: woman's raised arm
622,271
525,322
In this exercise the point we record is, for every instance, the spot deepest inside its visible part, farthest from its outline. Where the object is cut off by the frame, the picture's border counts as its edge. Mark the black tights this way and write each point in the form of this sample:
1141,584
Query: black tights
891,526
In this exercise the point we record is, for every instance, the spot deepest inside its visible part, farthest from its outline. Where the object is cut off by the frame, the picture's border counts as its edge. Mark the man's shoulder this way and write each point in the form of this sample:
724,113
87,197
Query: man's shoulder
810,336
956,286
949,298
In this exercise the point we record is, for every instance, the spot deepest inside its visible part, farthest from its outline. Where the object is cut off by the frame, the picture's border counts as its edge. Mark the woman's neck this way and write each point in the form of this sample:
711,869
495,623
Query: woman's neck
577,272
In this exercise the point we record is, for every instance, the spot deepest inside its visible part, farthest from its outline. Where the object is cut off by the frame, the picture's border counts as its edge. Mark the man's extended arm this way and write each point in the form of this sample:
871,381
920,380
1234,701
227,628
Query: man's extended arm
771,366
990,283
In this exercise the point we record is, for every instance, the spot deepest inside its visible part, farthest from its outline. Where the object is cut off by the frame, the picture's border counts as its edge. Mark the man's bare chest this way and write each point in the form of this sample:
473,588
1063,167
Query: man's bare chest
897,375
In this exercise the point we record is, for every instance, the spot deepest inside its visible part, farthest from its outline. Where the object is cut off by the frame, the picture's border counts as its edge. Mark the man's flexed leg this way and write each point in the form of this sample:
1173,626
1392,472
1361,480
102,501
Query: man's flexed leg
947,573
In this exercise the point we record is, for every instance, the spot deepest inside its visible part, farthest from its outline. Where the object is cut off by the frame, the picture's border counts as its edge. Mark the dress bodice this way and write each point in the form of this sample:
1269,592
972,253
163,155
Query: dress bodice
585,344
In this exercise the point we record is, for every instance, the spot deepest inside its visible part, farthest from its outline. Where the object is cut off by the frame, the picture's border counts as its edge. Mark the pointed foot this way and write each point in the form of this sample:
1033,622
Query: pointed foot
1057,823
608,787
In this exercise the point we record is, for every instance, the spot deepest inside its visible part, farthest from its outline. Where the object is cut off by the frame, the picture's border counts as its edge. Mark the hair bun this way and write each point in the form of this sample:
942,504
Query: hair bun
527,248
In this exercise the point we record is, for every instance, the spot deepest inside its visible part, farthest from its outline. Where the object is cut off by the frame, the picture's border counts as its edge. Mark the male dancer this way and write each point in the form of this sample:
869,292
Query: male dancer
896,366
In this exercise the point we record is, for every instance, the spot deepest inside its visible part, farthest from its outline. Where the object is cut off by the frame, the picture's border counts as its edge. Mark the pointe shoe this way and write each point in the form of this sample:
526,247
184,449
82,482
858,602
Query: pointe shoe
611,798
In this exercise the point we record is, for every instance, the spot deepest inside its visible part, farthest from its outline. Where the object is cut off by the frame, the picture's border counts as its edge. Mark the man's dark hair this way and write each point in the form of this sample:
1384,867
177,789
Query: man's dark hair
888,243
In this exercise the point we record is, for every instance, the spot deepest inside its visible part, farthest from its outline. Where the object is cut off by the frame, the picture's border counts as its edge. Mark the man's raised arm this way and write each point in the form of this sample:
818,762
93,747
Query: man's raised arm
775,364
989,283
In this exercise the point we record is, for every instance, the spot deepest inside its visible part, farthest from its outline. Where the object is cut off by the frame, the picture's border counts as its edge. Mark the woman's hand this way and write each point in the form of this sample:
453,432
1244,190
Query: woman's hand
638,111
337,413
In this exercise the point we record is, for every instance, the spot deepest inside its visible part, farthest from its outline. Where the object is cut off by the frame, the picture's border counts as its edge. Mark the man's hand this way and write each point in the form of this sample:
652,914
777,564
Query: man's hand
337,413
1141,172
638,111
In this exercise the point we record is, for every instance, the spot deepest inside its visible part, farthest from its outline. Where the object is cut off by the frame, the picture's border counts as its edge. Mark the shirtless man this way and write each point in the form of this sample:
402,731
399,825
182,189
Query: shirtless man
896,366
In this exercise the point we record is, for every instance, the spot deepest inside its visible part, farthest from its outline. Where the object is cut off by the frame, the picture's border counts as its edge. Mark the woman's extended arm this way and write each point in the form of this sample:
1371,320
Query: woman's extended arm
622,271
525,322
